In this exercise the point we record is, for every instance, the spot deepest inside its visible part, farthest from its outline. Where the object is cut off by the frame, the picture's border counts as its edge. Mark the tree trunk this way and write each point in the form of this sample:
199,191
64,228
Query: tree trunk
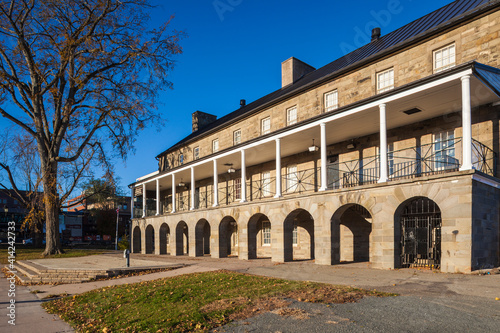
52,206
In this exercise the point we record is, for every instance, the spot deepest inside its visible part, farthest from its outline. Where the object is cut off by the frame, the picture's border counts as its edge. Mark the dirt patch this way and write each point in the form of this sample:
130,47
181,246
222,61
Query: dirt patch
327,295
247,307
294,313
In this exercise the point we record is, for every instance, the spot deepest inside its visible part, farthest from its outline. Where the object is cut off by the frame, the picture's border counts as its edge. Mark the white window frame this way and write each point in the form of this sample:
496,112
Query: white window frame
266,233
181,159
292,178
265,179
237,137
196,153
444,149
265,126
291,115
237,188
331,100
215,145
444,58
385,80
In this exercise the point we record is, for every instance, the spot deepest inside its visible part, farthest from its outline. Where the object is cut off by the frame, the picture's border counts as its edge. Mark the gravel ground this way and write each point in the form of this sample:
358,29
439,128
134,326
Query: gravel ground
381,314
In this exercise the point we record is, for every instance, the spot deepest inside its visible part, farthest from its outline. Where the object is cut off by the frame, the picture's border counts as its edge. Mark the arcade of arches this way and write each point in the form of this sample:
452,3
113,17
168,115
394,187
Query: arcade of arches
380,230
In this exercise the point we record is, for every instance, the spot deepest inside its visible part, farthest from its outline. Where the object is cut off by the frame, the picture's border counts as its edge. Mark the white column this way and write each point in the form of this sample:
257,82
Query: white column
324,180
466,125
173,193
243,177
278,168
157,197
383,145
132,194
193,188
143,200
216,185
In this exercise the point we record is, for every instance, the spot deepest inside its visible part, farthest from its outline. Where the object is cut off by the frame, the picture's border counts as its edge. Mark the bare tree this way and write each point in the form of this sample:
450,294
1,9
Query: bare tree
79,78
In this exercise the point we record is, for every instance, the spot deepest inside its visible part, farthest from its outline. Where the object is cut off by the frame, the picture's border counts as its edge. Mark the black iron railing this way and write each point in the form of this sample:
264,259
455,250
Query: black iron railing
427,159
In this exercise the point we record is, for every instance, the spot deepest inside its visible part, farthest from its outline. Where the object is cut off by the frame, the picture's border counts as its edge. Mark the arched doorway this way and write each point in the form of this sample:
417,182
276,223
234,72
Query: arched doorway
202,237
150,239
228,237
136,243
181,238
351,228
418,227
259,237
298,230
164,239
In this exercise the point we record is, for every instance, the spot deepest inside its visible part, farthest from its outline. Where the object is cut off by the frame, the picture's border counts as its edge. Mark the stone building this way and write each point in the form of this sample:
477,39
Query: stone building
386,155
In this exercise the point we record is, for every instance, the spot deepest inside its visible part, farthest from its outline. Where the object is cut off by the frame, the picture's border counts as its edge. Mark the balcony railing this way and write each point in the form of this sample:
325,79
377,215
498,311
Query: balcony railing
301,181
260,189
353,173
422,160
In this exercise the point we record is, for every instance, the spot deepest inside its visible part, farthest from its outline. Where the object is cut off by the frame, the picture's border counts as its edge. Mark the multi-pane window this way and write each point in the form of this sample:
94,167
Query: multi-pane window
266,232
444,151
181,159
331,100
390,158
266,183
294,234
265,126
237,188
385,80
237,137
444,58
196,153
292,178
291,115
215,145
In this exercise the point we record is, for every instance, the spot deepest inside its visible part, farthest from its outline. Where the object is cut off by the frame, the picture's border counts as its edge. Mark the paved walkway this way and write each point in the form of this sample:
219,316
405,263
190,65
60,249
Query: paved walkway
448,290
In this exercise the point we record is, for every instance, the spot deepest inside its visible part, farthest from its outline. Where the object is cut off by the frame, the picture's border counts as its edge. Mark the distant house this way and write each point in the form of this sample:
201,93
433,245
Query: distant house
11,210
387,155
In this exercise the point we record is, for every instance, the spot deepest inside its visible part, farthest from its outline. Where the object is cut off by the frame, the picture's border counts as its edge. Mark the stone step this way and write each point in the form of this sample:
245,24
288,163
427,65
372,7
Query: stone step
25,271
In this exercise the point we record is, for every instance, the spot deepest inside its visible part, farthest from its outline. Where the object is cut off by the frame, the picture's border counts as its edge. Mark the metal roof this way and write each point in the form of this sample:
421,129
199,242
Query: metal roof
443,18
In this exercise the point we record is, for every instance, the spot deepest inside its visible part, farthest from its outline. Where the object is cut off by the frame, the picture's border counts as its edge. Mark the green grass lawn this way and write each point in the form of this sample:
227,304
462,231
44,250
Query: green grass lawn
27,253
194,302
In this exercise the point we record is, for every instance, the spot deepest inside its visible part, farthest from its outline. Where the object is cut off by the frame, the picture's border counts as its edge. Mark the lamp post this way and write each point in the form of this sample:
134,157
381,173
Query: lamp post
116,236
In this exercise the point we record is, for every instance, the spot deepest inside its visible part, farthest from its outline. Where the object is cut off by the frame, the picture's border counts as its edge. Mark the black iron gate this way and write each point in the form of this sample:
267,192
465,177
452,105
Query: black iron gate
421,234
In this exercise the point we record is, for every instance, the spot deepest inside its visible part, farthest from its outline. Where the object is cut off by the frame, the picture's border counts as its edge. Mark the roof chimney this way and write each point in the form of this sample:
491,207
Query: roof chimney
293,69
375,34
202,119
242,103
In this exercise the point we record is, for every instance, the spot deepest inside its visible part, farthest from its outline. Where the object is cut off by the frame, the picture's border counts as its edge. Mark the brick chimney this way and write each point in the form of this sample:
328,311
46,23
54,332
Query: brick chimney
202,119
293,69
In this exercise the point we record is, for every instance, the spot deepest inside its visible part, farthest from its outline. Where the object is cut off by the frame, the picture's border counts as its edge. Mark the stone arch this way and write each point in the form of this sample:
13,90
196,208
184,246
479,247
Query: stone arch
150,239
228,237
298,233
164,239
259,240
181,239
417,233
202,238
136,241
351,227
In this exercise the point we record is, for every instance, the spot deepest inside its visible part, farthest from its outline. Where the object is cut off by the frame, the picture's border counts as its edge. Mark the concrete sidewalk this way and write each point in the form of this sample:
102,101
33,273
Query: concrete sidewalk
29,315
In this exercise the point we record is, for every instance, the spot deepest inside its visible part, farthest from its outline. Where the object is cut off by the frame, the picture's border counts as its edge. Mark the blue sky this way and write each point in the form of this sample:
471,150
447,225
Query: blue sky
234,51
